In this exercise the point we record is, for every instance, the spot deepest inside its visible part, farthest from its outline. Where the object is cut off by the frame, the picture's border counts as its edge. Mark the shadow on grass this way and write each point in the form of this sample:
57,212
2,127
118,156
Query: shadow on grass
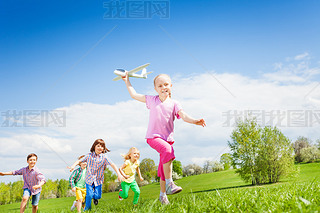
233,187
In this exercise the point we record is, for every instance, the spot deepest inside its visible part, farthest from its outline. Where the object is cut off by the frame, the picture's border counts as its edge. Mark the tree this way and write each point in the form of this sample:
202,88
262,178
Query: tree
177,167
192,169
226,160
300,143
148,169
109,181
206,167
216,166
62,189
310,154
261,155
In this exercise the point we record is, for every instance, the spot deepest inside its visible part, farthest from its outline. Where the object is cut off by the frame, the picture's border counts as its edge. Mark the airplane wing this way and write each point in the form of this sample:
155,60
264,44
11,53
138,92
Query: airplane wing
138,68
117,78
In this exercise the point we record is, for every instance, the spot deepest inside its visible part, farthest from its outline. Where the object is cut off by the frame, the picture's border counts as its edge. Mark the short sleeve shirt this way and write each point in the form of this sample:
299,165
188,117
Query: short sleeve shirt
161,117
130,170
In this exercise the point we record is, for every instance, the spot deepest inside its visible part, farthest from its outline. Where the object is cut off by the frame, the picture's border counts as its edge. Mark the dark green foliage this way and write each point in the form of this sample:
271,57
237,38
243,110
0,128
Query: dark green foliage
177,167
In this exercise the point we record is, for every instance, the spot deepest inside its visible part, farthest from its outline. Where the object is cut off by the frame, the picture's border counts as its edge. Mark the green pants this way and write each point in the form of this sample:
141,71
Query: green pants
125,189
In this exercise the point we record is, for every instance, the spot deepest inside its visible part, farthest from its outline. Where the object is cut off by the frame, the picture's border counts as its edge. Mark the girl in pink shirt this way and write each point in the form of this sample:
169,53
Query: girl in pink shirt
163,111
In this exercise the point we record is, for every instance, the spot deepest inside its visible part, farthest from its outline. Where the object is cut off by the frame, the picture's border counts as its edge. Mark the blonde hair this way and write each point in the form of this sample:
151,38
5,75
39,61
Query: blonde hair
127,156
160,75
80,158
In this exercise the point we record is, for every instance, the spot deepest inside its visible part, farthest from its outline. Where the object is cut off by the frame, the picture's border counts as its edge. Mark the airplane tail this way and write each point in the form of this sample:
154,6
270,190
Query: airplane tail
145,73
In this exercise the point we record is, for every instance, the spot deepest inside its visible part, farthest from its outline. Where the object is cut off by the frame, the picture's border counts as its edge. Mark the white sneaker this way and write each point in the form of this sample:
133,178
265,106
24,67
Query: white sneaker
73,205
164,200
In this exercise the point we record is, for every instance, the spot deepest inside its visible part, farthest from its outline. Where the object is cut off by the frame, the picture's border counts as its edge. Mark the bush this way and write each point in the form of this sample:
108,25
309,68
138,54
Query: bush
310,154
261,155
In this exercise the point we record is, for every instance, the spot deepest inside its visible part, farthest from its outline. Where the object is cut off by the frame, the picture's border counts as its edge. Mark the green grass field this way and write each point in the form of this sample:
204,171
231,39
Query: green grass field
215,192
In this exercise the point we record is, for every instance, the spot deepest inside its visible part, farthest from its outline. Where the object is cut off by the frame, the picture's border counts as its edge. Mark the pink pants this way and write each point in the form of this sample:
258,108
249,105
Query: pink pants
165,149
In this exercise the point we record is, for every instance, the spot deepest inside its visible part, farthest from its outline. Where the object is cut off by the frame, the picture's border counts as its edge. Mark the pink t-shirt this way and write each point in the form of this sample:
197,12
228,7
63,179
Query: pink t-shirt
161,117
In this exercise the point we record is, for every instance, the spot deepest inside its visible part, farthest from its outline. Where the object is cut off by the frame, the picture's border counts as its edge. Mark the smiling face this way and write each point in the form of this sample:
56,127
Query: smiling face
162,85
99,149
83,165
134,155
32,161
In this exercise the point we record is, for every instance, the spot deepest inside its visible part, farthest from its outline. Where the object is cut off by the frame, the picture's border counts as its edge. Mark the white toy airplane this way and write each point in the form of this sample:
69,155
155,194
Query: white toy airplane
132,73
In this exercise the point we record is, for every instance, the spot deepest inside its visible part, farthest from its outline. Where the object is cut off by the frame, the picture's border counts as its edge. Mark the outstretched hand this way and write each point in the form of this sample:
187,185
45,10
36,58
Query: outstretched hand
1,174
200,122
36,187
70,168
126,77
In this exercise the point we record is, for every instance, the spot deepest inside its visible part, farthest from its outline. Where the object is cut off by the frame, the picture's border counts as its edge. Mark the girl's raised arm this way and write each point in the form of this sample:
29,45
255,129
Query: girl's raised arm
185,117
132,91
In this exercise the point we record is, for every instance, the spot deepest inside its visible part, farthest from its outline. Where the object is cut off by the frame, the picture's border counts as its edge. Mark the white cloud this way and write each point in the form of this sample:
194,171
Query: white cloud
124,124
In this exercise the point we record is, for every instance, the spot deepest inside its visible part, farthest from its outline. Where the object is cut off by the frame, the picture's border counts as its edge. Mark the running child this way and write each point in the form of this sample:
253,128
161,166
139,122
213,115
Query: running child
77,182
97,162
128,171
33,181
163,111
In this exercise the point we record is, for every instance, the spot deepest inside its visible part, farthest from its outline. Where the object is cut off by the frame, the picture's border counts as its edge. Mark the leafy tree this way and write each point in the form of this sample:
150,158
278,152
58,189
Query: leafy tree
216,166
49,190
16,191
275,156
206,167
260,155
177,167
63,187
226,160
109,181
148,169
300,143
5,193
310,154
192,169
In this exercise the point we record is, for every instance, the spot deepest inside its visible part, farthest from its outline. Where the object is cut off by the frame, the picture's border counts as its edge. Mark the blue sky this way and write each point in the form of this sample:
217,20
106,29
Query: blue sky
60,54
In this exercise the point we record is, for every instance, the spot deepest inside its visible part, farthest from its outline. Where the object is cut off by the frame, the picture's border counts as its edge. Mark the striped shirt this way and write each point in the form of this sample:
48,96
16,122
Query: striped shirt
75,177
30,178
96,164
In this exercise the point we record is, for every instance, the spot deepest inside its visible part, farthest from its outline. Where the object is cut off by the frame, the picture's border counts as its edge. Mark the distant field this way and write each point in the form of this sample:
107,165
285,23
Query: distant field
219,192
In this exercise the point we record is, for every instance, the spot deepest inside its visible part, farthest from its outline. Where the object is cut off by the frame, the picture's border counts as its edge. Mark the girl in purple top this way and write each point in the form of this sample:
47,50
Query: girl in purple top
163,111
33,180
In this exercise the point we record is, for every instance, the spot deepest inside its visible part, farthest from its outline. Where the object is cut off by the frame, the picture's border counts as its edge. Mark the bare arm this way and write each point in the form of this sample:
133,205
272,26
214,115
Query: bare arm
115,168
139,173
6,173
122,172
185,117
73,165
39,185
132,91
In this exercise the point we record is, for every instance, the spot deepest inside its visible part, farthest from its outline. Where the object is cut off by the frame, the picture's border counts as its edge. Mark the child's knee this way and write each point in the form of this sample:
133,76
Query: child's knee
25,199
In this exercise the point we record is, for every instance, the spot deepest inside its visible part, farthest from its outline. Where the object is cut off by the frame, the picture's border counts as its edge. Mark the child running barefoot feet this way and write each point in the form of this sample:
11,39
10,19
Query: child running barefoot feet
77,182
128,171
163,111
97,162
33,180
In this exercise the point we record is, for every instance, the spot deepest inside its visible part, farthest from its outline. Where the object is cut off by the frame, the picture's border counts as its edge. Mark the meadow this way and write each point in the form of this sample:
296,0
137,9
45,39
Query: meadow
214,192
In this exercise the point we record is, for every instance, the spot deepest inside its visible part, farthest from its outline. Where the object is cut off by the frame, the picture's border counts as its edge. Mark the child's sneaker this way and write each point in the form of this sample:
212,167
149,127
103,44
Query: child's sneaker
120,198
164,200
95,201
73,205
172,188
